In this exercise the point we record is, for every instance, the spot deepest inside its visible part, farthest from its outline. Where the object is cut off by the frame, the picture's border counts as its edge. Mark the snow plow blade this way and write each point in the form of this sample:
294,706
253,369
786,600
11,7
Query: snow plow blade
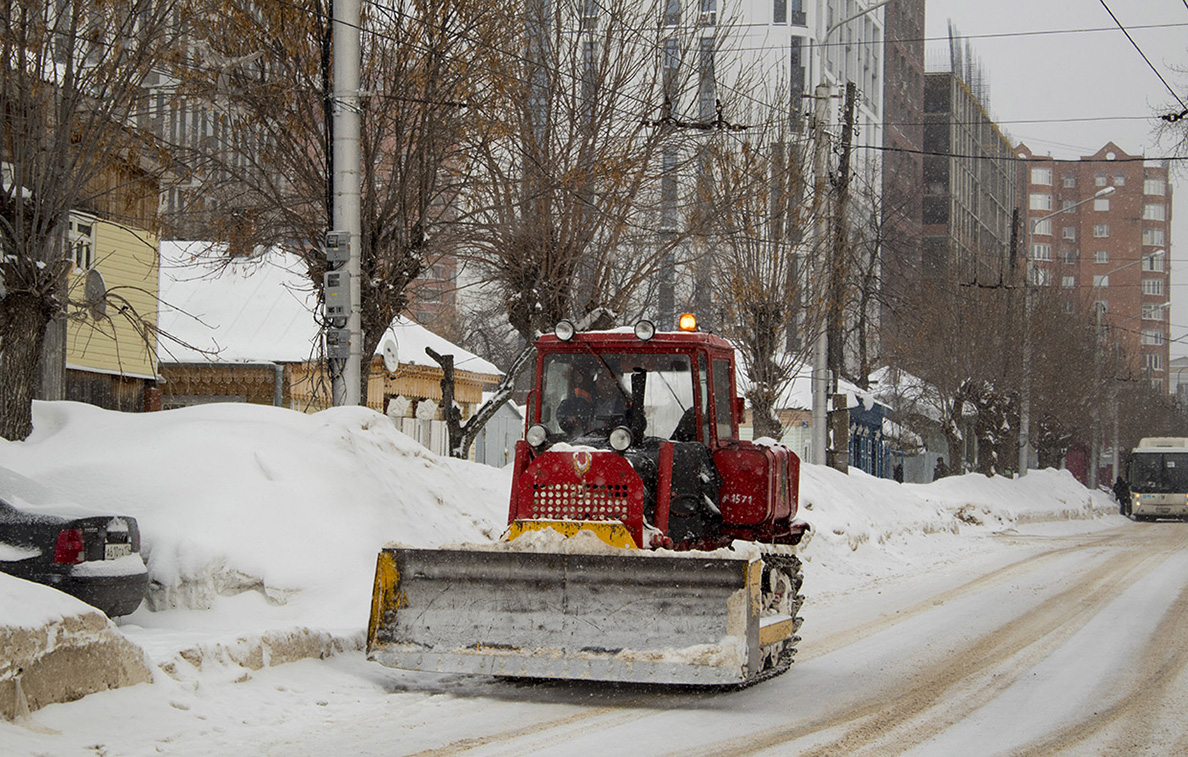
634,616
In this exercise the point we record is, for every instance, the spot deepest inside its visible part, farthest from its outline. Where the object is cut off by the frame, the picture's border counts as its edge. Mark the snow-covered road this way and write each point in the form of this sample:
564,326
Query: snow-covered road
1059,638
968,616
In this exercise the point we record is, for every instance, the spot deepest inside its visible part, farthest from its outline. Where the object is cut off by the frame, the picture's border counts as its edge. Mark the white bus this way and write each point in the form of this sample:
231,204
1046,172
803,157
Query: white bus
1158,478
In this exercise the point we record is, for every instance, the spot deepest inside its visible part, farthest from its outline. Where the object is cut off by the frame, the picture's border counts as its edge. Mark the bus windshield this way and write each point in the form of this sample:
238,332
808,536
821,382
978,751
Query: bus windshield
1159,472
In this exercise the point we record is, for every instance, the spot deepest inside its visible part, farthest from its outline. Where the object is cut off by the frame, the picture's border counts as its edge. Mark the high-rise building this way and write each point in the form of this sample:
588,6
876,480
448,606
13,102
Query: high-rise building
1110,255
903,143
970,184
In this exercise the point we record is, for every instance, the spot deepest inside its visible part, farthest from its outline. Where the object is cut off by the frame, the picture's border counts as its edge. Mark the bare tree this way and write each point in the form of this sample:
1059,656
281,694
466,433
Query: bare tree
70,98
262,178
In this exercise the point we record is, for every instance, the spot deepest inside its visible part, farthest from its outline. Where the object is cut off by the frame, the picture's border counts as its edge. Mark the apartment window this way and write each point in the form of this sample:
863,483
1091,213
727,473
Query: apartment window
1152,337
1101,256
1157,384
1044,228
1153,286
706,94
1069,232
1153,361
1041,176
1101,280
1069,307
1153,236
1119,180
779,11
1041,202
1041,251
1100,180
1101,203
1040,276
1153,312
1070,180
1154,187
672,12
82,242
1069,257
1101,230
1154,261
1068,282
1066,204
1154,211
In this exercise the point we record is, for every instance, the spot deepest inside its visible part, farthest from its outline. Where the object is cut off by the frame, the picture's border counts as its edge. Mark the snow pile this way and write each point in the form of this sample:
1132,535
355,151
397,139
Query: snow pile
288,507
260,526
57,649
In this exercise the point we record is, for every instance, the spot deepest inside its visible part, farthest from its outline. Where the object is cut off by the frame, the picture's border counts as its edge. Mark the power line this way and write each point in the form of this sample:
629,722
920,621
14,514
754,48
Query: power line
1144,55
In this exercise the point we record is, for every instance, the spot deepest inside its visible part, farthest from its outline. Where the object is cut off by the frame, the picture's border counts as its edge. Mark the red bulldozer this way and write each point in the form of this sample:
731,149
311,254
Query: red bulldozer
647,542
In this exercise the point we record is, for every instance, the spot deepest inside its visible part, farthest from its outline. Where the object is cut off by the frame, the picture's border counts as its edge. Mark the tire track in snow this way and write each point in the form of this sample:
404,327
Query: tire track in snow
883,726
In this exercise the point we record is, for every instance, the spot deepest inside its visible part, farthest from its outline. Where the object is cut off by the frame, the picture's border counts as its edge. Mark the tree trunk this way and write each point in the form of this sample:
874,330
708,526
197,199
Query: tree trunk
25,317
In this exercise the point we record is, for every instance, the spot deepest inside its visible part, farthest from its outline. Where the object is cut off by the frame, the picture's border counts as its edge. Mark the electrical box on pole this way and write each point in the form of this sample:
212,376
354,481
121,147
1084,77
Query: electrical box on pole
337,247
338,343
336,286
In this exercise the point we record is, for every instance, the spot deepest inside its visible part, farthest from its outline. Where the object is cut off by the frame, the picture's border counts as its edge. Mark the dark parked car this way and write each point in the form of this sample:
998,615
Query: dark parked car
86,553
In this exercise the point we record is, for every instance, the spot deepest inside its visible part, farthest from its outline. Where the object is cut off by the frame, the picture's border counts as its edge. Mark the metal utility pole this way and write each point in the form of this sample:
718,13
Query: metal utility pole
346,374
820,371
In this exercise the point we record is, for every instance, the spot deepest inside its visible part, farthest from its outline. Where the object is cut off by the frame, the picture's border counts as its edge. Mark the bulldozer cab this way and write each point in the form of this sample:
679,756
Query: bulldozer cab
686,394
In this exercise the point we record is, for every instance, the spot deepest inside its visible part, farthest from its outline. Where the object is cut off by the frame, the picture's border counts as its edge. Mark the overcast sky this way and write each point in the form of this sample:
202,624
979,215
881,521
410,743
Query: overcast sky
1038,83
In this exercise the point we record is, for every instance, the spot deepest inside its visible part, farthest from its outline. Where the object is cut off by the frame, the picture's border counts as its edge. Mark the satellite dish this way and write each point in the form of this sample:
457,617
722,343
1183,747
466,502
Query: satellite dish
95,292
391,356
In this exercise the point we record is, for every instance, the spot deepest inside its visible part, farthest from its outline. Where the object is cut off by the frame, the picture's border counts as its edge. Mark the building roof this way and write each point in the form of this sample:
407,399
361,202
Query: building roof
263,309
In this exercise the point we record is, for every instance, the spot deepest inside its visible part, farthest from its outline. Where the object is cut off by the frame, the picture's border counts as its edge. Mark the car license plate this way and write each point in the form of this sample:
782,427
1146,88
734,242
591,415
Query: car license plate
115,551
1163,510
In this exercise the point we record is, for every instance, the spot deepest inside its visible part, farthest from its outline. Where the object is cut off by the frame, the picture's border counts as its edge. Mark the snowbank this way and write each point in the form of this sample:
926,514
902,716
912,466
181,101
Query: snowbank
235,498
58,649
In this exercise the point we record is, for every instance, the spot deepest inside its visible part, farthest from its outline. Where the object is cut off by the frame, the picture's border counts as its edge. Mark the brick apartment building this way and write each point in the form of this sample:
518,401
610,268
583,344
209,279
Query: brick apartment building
1111,254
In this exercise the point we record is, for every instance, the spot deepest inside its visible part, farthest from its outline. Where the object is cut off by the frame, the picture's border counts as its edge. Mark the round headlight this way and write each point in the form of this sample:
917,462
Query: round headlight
620,438
564,330
536,435
645,330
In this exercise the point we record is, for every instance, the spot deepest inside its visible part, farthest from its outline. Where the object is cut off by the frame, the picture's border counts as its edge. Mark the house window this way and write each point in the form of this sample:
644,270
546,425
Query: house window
82,242
1153,286
1041,176
1044,228
1100,180
1041,251
1070,232
1154,211
1068,282
1154,187
1101,280
1101,230
1153,236
1101,203
1101,256
1153,361
1152,337
1070,180
1041,202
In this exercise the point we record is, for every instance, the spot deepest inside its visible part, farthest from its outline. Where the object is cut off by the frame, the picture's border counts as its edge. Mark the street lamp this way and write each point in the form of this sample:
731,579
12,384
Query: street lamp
1025,388
819,377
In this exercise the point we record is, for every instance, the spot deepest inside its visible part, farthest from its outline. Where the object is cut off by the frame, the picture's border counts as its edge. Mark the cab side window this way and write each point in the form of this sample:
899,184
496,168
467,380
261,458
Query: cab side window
723,399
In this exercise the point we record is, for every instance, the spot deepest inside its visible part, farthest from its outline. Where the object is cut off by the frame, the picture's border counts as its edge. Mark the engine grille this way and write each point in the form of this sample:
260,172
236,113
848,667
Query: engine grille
580,501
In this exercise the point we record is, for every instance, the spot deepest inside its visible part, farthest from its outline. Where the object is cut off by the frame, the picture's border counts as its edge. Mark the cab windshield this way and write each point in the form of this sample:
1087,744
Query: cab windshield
590,393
